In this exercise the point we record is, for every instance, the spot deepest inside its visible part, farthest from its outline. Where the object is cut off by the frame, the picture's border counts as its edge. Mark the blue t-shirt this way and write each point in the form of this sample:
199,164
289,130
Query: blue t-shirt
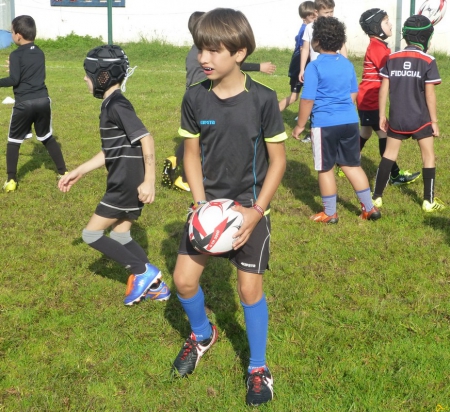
299,39
329,81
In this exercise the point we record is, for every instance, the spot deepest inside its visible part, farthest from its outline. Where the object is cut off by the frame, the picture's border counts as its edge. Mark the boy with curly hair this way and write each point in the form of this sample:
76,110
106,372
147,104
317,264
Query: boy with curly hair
329,94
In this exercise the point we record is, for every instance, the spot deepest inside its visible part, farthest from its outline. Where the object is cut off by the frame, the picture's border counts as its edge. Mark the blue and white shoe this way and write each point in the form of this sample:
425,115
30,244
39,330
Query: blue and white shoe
138,285
160,292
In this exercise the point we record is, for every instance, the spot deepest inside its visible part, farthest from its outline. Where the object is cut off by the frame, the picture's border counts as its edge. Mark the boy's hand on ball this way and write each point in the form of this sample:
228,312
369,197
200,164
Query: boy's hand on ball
251,219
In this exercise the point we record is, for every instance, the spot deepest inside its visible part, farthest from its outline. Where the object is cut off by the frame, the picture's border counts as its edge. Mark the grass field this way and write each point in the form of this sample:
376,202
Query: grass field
359,311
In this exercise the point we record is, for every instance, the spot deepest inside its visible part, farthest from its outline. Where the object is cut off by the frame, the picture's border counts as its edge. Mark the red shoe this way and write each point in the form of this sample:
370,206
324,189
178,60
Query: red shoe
322,217
373,214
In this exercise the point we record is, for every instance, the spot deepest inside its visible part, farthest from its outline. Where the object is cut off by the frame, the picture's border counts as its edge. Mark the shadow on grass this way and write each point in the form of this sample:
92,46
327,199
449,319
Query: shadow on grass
220,296
39,157
439,223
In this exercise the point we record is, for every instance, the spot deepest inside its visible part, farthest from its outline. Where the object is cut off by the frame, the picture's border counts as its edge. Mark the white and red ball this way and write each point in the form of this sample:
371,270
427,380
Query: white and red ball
212,227
434,10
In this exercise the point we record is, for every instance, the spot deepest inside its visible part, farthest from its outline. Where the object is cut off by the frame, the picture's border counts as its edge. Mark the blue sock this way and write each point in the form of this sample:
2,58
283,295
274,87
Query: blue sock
257,322
329,204
365,198
195,311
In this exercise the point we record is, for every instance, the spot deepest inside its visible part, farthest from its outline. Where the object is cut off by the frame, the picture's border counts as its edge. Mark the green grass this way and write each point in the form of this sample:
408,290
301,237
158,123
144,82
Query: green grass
359,312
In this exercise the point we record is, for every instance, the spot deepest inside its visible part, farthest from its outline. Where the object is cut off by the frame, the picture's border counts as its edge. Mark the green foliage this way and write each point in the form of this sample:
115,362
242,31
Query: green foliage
359,311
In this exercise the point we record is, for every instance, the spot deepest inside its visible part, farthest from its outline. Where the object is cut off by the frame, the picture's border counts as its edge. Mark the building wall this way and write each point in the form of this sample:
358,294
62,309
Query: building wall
274,22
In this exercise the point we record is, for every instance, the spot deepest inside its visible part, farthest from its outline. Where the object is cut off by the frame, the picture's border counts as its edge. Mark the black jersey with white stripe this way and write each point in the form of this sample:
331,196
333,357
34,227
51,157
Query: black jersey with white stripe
408,71
233,134
121,131
26,73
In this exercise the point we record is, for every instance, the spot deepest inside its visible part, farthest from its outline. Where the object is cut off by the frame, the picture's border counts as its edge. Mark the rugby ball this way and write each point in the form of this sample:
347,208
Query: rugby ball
212,227
434,10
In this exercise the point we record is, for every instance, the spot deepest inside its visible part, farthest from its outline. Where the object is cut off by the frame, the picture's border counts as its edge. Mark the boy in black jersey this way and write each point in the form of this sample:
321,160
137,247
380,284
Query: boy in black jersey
129,156
237,125
32,104
194,74
409,77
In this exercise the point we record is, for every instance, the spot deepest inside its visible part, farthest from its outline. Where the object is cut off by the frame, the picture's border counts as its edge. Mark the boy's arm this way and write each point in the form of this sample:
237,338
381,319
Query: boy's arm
193,168
146,190
304,54
382,100
304,112
14,73
343,50
69,179
430,97
275,172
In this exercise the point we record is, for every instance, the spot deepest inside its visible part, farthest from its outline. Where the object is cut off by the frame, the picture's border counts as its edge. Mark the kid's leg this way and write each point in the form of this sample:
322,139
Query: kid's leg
328,191
364,135
12,159
55,153
287,101
360,183
398,177
145,274
253,301
384,169
188,270
430,203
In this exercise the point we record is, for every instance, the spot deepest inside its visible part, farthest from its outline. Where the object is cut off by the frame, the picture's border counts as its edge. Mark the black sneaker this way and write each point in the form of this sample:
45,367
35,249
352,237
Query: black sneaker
259,386
168,173
404,178
191,353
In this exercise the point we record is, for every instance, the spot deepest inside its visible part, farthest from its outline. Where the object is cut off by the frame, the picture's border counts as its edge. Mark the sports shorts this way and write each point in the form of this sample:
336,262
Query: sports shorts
335,145
426,131
110,212
293,73
370,118
35,112
253,257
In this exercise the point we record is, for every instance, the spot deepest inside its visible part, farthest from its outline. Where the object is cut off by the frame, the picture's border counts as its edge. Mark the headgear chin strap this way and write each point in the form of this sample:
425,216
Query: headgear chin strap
370,22
106,66
418,30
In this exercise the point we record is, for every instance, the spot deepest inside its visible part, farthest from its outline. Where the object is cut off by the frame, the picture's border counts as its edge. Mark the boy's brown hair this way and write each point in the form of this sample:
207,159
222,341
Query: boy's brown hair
306,9
224,28
324,4
25,26
193,19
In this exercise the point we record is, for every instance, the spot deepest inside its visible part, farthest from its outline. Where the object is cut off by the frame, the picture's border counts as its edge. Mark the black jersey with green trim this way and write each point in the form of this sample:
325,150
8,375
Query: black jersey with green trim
121,131
408,71
233,134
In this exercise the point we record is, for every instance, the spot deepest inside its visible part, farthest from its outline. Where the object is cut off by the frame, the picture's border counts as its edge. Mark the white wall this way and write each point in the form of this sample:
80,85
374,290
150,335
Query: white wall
274,22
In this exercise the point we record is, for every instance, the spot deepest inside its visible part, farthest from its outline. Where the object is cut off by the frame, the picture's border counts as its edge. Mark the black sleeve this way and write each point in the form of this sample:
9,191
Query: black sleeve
14,72
251,67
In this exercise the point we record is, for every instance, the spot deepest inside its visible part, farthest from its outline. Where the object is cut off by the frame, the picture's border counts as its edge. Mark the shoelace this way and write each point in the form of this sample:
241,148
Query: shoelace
256,380
188,346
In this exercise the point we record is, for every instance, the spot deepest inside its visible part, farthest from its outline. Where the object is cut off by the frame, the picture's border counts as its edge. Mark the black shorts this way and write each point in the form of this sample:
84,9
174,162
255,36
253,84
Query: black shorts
110,212
253,257
426,131
35,112
370,118
294,72
335,145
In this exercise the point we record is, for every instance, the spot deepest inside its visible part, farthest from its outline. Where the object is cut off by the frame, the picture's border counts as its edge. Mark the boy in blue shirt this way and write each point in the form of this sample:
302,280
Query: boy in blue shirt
307,13
329,95
237,126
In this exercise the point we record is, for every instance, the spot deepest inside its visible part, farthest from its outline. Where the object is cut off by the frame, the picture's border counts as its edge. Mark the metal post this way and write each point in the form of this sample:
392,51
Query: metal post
412,9
110,39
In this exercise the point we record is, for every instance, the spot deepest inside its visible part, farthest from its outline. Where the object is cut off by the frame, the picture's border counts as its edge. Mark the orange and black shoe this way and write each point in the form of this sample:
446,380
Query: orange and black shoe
372,214
323,218
168,173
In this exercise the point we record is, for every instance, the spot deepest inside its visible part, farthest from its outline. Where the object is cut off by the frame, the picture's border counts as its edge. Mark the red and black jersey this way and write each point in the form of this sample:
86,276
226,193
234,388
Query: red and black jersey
375,58
408,71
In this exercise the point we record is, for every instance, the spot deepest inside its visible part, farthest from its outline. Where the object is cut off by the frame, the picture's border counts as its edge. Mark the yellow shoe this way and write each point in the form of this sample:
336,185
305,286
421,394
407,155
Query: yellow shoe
433,207
340,172
378,202
10,186
179,184
170,165
60,176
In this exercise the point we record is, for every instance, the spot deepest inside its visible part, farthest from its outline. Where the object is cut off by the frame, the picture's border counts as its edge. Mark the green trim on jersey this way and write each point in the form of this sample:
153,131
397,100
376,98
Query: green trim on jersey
276,139
185,133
